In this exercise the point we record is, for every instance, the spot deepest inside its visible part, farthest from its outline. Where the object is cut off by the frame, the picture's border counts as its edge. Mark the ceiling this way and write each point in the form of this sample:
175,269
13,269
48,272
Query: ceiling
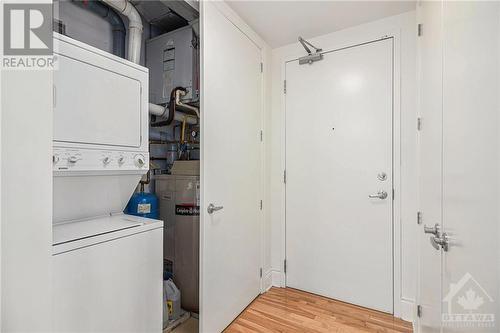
281,22
166,15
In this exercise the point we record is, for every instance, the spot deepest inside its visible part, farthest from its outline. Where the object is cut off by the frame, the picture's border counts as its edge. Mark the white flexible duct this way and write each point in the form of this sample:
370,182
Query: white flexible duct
134,27
162,111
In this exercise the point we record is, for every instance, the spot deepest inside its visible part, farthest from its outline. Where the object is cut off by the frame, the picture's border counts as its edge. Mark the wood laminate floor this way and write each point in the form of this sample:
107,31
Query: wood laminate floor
290,310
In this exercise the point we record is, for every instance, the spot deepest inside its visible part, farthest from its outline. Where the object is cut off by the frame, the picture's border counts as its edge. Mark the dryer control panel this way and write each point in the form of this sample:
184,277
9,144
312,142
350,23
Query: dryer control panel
67,159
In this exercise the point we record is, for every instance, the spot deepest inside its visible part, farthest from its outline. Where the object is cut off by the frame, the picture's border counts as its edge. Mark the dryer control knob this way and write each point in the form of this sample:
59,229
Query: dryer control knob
140,160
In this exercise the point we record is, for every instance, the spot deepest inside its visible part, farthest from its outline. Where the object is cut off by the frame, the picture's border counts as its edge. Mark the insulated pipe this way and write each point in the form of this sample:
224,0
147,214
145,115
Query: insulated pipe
162,111
134,27
180,105
113,18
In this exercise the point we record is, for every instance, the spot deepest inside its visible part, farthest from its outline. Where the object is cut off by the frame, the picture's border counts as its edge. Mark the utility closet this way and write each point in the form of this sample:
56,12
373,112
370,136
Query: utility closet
164,37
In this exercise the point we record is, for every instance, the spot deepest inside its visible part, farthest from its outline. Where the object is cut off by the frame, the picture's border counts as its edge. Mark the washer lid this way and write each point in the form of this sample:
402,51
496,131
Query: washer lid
102,226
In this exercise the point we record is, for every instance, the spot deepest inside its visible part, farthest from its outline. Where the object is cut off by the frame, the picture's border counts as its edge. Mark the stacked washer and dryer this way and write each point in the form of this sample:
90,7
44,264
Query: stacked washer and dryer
107,266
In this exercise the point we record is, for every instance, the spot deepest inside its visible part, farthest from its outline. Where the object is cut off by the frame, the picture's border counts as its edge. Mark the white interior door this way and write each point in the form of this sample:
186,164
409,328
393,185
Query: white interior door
230,171
459,149
339,242
471,169
430,160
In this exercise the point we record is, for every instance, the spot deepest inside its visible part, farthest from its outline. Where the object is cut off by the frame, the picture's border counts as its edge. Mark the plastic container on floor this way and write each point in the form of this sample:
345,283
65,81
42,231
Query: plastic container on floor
173,299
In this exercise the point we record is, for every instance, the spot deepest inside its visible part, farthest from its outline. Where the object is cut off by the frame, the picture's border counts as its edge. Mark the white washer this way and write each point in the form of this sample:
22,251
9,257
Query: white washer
108,275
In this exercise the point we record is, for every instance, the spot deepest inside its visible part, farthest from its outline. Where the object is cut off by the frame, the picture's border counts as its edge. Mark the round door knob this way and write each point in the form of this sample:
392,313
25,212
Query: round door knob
382,176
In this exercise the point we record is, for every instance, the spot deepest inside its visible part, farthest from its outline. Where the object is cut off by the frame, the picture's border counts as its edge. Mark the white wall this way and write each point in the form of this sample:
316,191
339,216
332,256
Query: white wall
84,25
404,27
26,200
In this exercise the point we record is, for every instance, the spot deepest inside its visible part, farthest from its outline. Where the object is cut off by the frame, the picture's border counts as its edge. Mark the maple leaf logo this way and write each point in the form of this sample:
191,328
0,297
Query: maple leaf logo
470,301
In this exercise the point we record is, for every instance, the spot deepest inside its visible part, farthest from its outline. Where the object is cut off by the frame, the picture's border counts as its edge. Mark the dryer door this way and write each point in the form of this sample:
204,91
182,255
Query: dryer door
98,99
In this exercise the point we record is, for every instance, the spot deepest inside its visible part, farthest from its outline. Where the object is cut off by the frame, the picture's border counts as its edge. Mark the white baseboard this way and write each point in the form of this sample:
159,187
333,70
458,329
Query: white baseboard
267,281
278,278
408,310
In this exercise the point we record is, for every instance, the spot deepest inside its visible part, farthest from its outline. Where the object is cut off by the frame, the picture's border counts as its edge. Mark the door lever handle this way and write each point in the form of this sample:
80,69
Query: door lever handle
212,208
441,241
380,195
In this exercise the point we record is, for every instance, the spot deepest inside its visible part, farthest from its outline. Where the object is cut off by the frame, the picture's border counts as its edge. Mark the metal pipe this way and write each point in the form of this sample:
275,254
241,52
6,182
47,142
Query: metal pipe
113,18
162,111
145,182
183,132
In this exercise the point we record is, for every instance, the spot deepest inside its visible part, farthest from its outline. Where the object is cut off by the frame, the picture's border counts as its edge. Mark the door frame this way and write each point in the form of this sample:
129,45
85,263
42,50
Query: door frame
232,17
398,306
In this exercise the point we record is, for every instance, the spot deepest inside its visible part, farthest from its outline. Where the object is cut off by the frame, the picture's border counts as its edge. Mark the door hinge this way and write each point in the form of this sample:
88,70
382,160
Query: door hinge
420,31
419,311
284,176
261,136
261,205
419,217
54,96
284,86
419,124
392,194
284,266
262,67
261,272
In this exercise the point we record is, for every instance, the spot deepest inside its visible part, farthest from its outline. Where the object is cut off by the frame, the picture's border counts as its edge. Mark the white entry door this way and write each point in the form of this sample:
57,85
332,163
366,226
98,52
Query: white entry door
460,166
230,169
339,231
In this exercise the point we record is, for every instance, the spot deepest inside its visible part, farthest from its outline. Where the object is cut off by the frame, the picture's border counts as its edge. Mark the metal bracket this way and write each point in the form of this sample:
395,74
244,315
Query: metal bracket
310,57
